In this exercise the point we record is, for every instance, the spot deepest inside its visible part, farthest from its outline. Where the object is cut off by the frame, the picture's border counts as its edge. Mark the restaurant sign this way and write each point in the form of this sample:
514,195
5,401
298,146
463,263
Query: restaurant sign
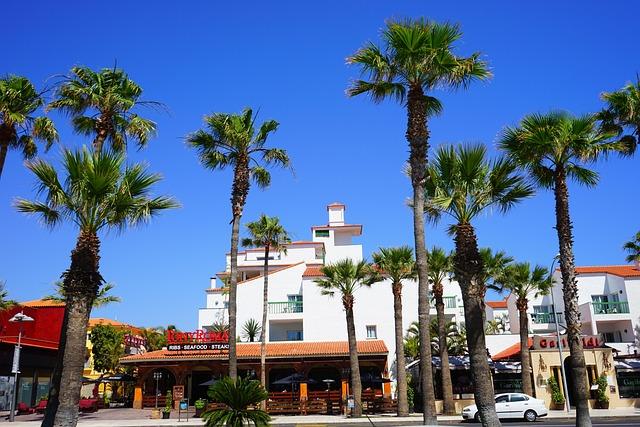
198,340
551,342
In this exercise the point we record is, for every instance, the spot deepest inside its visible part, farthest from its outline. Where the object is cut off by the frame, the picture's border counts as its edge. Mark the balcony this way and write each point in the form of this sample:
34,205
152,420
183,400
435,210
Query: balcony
545,318
285,307
611,307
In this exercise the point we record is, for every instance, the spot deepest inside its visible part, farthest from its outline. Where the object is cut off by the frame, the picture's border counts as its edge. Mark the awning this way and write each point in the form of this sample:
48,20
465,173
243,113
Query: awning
455,362
622,347
507,367
627,365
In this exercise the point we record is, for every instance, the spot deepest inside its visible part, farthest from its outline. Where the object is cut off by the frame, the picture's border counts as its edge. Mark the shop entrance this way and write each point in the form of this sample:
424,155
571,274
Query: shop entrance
568,369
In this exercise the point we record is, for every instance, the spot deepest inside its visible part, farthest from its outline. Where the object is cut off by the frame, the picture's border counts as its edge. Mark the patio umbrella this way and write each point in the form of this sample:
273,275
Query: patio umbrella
119,377
295,379
212,381
370,378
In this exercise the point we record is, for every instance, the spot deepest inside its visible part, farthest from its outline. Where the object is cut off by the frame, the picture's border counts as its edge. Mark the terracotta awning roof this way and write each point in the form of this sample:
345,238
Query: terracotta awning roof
313,271
497,304
94,321
511,351
40,303
275,350
616,270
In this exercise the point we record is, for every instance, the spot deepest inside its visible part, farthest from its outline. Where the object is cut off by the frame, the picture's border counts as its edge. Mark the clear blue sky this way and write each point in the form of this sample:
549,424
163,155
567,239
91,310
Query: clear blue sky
288,60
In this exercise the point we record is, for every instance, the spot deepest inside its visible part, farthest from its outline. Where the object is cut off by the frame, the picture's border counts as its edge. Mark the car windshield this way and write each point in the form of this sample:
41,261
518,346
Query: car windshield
502,399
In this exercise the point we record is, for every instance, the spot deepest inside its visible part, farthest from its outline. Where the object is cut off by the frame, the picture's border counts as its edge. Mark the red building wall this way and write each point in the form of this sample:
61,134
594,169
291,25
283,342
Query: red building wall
43,332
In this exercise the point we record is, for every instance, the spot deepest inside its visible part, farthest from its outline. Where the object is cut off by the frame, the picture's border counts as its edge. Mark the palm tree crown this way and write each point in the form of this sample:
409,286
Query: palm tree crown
19,129
462,183
557,142
102,298
97,192
396,263
267,231
633,248
523,281
101,103
416,54
623,110
440,267
346,277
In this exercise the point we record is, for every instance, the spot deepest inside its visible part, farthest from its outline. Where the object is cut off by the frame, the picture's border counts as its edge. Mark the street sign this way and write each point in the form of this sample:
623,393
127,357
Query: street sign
16,360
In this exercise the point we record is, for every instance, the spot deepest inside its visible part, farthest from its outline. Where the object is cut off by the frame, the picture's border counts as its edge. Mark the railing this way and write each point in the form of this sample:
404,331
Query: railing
611,307
285,307
538,318
449,302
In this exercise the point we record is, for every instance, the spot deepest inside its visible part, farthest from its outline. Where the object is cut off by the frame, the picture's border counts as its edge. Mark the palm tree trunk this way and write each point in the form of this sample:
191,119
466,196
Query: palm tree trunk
578,368
101,136
54,388
3,155
356,382
418,136
468,268
401,373
263,332
525,357
233,287
81,283
449,407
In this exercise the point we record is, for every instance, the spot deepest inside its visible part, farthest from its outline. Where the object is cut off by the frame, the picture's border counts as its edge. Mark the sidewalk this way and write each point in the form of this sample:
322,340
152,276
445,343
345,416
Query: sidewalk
140,418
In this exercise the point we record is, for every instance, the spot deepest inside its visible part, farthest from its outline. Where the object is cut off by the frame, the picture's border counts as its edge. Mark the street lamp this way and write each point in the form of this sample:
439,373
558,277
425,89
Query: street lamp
555,318
157,376
20,318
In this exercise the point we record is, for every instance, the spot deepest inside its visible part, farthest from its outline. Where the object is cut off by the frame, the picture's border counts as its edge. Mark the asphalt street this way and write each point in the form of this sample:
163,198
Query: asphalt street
542,422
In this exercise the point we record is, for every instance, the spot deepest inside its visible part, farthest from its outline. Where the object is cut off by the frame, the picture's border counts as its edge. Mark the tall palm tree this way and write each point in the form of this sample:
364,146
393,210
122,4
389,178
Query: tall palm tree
345,277
440,269
554,148
463,183
417,57
633,248
522,282
398,264
622,111
101,104
232,140
97,193
102,297
19,129
267,233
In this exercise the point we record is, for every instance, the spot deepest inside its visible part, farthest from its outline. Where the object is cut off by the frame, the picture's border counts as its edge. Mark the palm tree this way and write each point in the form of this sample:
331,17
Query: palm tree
101,104
633,247
496,326
622,111
345,277
398,264
19,129
439,269
266,232
5,303
463,183
417,58
102,297
238,397
454,337
97,193
155,338
554,148
232,140
522,282
251,330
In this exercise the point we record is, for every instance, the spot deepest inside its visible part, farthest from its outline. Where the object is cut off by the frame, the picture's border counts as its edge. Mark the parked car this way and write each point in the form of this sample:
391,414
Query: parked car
511,405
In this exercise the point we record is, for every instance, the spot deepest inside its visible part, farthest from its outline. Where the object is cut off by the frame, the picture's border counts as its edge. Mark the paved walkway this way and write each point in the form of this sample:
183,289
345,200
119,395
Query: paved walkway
126,417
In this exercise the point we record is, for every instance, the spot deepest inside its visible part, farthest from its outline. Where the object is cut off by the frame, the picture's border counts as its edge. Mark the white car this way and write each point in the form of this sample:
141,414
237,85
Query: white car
511,405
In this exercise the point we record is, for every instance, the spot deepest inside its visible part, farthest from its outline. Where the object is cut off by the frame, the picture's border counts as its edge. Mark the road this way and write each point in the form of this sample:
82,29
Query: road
542,422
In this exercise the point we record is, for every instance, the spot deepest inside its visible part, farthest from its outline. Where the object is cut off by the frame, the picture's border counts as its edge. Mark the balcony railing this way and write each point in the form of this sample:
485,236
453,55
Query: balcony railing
449,302
538,318
285,307
611,307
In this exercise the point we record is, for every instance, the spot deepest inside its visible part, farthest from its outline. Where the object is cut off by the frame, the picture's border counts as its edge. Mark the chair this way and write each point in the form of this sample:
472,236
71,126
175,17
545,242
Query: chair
23,409
41,407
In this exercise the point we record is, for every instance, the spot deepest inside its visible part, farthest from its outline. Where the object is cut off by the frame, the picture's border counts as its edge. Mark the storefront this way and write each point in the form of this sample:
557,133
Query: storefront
295,370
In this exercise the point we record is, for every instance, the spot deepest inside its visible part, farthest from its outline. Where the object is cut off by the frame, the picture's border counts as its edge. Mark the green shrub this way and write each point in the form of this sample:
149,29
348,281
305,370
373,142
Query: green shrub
238,397
168,401
602,397
200,403
556,394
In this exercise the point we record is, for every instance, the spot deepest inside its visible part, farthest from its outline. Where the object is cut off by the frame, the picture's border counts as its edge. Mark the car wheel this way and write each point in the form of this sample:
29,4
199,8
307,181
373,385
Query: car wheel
476,417
530,416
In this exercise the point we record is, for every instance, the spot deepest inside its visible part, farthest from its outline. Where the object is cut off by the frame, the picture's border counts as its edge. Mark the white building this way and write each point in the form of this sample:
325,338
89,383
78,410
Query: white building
297,310
609,302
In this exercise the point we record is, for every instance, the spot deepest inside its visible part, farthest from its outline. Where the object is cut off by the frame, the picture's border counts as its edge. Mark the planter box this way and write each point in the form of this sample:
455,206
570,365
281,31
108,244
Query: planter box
166,415
155,414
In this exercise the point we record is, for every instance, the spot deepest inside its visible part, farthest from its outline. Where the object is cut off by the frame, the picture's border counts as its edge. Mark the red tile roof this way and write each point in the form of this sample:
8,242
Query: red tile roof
497,304
275,350
511,351
41,303
313,271
616,270
276,270
94,321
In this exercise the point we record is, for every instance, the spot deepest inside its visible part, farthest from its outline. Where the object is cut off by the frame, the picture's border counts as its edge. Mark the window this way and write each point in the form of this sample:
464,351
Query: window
502,399
518,398
322,233
372,332
294,335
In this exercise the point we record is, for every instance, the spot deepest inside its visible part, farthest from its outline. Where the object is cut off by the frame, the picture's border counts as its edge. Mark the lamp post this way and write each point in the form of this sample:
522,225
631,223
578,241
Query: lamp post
157,376
555,318
20,318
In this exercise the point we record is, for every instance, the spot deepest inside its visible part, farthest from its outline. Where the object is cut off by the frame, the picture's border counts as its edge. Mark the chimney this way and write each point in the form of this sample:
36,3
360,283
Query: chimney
336,213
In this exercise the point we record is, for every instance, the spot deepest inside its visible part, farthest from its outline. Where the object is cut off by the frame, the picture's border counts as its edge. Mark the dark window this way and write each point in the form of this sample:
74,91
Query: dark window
322,233
518,398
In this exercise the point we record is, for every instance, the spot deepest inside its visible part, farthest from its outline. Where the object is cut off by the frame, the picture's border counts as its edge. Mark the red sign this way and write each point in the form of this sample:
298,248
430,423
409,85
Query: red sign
196,337
551,342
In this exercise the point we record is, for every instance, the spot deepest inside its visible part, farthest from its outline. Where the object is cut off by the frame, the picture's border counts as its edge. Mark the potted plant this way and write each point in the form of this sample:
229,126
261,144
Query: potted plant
602,397
168,402
557,399
199,404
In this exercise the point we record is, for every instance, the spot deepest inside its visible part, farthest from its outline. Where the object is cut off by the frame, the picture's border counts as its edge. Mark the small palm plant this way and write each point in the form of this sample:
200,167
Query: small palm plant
251,329
19,129
632,247
241,398
622,111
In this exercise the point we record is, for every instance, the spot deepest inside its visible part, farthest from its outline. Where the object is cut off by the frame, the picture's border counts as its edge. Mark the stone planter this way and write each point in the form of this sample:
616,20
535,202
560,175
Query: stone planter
557,406
155,414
